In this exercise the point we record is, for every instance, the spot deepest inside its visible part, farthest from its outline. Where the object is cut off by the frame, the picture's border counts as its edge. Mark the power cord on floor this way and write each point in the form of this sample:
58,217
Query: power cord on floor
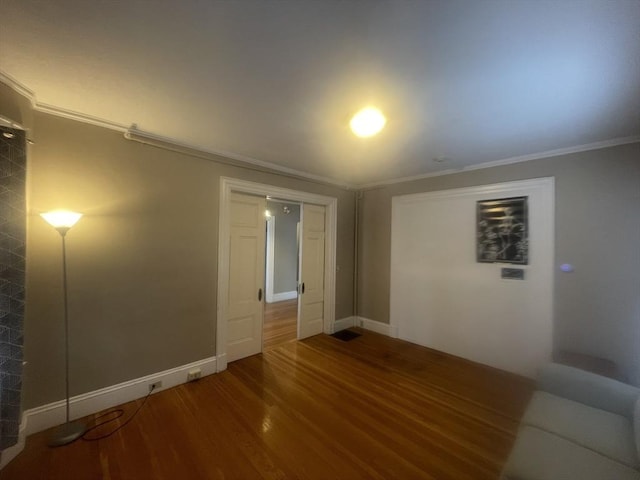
119,412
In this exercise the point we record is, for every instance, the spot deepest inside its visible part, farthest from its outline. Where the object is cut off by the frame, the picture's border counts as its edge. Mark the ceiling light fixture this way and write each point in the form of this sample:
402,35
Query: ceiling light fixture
367,122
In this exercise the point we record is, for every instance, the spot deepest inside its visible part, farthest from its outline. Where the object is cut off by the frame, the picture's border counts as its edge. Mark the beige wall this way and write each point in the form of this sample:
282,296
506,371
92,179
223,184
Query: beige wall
597,308
143,268
142,263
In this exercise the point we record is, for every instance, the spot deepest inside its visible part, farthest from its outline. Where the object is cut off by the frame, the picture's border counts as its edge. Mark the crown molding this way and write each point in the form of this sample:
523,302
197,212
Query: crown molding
557,152
508,161
165,142
236,159
21,90
52,109
79,117
261,165
18,87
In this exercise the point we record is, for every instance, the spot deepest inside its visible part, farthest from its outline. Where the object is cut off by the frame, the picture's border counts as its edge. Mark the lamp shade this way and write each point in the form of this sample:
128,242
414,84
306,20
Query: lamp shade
61,218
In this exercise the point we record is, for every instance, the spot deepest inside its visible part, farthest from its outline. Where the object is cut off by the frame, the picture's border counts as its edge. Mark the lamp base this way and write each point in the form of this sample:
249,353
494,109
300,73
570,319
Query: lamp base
67,433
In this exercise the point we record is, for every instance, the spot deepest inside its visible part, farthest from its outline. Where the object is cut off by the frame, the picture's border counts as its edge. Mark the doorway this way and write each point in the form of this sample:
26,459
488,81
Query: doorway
317,287
280,322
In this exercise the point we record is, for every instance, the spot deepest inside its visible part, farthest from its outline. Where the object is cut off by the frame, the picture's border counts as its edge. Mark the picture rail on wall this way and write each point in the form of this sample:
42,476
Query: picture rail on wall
502,230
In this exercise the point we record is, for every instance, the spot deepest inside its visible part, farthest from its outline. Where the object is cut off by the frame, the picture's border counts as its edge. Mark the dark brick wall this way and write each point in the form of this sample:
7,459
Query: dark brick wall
12,267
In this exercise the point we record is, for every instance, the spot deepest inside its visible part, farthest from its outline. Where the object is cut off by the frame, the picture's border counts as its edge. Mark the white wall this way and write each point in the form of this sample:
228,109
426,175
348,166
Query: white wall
442,298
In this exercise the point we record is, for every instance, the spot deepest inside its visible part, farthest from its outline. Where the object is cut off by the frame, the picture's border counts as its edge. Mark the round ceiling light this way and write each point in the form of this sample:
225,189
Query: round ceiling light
367,122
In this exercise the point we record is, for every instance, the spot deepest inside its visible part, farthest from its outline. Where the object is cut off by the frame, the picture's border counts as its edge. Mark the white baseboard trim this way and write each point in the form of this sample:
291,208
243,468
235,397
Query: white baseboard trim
221,362
282,296
378,327
343,324
46,416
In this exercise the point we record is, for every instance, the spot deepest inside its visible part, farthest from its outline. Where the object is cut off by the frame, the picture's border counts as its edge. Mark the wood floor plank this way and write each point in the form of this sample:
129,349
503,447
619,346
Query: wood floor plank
280,323
370,408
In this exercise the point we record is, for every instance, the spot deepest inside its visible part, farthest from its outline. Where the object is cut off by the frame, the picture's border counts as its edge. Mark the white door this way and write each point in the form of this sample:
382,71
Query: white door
311,299
246,276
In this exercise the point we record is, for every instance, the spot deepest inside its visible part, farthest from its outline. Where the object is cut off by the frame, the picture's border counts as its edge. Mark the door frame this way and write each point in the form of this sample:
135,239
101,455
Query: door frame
228,185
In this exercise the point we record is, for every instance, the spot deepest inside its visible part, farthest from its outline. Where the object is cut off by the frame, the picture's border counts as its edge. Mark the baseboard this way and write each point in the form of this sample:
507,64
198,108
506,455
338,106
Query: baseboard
378,327
46,416
221,362
282,296
344,323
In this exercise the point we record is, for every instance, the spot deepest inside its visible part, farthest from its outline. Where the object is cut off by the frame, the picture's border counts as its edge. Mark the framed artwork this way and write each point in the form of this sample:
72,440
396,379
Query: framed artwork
502,231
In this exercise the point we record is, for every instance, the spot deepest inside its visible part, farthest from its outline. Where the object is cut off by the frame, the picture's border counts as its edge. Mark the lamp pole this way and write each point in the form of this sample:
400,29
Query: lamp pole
69,431
63,233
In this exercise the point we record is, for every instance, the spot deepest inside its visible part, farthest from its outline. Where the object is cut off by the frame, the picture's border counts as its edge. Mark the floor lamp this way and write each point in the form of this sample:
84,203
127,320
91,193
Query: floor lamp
62,221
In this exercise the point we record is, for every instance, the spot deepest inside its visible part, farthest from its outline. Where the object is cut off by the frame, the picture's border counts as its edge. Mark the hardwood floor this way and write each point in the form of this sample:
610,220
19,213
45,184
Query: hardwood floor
371,408
280,323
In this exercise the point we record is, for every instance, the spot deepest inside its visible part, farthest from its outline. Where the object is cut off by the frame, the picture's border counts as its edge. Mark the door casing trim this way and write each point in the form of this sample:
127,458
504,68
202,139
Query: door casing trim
228,185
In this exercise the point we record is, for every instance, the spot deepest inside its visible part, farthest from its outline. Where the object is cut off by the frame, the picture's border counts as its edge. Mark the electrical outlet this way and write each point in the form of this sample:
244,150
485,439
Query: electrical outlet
194,374
155,386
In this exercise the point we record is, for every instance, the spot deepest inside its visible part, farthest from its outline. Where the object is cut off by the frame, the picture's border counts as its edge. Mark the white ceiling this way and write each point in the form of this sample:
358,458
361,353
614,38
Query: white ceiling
277,81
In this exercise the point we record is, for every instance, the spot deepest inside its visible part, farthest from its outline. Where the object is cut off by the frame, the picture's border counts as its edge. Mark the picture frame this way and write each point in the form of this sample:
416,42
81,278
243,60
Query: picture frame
502,231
